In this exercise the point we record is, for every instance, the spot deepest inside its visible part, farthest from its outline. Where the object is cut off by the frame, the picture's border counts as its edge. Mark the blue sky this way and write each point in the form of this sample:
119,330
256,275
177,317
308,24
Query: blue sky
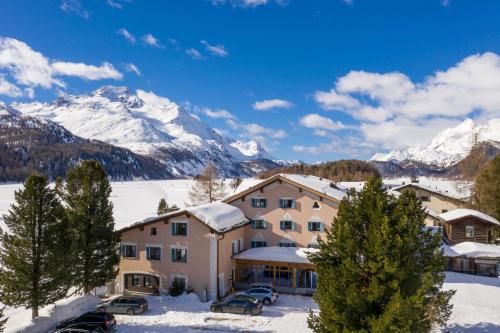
346,78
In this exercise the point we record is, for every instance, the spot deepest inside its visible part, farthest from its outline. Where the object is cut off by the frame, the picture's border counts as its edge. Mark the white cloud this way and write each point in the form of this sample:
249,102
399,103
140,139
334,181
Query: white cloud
118,4
151,40
74,6
217,50
395,112
131,68
127,35
219,113
84,71
30,69
248,3
316,121
194,54
9,89
271,104
348,2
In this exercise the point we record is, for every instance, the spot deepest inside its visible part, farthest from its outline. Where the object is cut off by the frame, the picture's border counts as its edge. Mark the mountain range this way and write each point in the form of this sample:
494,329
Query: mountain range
444,153
149,126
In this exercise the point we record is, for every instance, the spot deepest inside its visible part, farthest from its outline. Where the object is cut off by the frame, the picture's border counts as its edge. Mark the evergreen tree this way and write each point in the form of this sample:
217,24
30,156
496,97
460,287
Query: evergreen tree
487,189
207,187
162,207
3,320
379,269
33,249
90,215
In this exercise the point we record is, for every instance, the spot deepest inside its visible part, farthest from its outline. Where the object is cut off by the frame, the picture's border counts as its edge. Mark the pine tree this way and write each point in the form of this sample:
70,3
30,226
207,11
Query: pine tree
487,189
32,250
379,269
90,214
3,320
207,187
162,207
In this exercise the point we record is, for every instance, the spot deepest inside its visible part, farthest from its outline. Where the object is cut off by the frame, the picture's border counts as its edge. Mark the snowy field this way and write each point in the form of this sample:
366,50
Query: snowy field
476,309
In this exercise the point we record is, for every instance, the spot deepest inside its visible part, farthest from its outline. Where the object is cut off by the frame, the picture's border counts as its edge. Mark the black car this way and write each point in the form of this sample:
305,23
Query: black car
81,328
241,304
104,320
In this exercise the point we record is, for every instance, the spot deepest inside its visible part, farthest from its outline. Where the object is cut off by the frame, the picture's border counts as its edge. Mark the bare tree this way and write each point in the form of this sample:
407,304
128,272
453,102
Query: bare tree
208,187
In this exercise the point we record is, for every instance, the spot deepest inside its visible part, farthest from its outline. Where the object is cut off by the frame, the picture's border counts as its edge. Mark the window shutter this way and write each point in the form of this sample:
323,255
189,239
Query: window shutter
252,244
293,226
123,250
293,204
148,252
173,228
309,226
321,227
264,223
253,224
254,202
172,253
282,225
282,204
264,201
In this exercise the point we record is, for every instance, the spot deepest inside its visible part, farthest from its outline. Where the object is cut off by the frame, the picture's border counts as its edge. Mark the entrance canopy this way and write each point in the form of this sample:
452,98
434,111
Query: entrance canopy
292,255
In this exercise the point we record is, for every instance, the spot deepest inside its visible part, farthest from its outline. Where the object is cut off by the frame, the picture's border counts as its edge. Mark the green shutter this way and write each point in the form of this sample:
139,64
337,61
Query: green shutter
253,224
309,226
265,224
254,204
282,204
282,225
293,226
265,203
173,229
172,253
293,204
321,227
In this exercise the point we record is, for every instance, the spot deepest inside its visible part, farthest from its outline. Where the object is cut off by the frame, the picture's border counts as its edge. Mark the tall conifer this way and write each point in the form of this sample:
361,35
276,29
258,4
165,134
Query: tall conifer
90,215
3,320
33,248
379,268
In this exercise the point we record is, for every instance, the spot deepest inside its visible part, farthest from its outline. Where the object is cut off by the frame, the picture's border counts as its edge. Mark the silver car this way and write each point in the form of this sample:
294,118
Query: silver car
130,305
265,295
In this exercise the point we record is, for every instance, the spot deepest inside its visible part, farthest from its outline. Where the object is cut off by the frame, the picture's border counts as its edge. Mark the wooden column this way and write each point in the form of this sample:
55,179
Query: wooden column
294,277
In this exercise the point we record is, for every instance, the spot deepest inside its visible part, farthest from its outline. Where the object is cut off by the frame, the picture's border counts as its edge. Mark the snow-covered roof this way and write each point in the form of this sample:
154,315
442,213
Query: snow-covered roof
316,183
279,254
443,188
219,215
472,250
463,212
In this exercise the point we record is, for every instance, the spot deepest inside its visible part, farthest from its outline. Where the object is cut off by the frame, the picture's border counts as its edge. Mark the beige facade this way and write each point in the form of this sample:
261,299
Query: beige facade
209,269
196,271
309,207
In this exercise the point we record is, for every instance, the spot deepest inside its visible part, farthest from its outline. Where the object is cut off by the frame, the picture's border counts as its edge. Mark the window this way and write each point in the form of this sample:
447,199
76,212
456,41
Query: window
259,224
179,255
255,244
287,243
316,205
153,252
128,251
149,281
313,246
240,244
315,226
287,203
287,225
179,229
425,198
444,210
153,231
181,282
259,202
469,231
136,280
235,246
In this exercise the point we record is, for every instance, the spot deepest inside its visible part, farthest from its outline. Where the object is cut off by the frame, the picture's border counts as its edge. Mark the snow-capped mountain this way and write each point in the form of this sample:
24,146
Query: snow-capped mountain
32,144
149,125
448,147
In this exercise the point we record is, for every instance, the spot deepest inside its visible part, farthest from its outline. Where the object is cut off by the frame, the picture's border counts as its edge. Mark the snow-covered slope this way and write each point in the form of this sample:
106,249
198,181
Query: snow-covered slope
147,124
448,147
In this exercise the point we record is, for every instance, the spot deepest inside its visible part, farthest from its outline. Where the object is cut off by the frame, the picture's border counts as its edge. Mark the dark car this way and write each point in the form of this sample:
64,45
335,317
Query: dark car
104,320
130,305
81,328
240,304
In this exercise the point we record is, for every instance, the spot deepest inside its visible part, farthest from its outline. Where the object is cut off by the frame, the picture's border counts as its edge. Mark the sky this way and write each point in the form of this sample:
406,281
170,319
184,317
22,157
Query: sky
310,80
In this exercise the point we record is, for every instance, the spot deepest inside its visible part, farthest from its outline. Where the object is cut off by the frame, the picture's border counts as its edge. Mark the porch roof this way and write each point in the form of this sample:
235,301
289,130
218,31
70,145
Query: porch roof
472,250
296,255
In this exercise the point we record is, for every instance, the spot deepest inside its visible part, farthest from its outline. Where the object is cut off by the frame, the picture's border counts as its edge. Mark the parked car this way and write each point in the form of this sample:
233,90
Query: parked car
264,285
81,328
240,304
130,305
265,295
104,320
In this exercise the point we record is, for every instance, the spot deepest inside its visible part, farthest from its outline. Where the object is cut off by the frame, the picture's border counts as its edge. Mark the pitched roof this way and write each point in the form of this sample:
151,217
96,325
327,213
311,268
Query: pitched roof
447,192
317,185
218,216
463,212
